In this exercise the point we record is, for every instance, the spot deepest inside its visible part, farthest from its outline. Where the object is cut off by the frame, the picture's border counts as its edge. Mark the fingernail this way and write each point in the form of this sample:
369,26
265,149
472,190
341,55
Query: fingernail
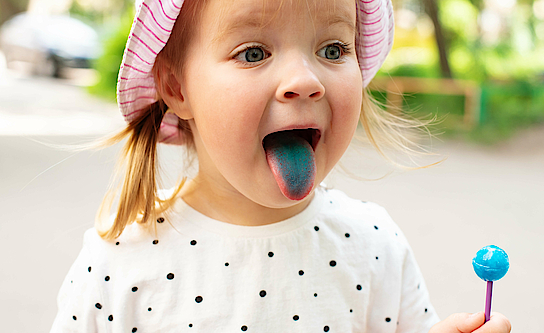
474,315
477,315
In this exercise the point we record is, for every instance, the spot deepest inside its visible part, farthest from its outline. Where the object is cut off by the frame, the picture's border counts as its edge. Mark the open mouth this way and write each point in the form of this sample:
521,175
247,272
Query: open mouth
311,135
290,154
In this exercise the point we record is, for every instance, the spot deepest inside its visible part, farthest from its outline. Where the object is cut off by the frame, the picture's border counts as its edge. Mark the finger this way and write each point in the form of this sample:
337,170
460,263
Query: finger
460,323
471,322
497,324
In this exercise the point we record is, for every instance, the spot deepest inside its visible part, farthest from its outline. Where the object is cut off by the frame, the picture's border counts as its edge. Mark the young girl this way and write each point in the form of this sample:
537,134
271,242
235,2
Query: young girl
267,94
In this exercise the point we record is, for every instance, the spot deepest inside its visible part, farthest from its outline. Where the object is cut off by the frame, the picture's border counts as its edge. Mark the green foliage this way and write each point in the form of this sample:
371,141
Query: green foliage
88,17
506,108
416,70
506,69
108,64
460,18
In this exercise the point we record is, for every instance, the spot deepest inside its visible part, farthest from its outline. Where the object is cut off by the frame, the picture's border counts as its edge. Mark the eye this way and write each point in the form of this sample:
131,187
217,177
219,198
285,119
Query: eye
254,54
251,54
334,51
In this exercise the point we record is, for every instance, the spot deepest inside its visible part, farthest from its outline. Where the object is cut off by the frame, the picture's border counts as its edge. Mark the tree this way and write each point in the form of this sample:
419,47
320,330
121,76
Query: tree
431,8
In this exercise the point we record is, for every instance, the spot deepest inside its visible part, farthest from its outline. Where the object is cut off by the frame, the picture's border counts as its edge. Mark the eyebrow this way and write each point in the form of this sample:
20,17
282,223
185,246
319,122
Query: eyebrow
239,24
259,23
345,19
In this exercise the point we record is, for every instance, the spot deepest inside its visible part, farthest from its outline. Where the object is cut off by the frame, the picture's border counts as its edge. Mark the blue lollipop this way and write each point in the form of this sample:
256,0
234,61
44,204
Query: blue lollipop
490,264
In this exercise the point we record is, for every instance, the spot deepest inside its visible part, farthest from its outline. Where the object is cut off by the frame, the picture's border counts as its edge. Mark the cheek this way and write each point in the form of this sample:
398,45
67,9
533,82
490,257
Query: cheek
346,109
348,98
230,116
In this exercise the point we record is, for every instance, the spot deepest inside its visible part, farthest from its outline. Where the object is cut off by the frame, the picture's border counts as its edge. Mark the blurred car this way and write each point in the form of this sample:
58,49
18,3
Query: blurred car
49,43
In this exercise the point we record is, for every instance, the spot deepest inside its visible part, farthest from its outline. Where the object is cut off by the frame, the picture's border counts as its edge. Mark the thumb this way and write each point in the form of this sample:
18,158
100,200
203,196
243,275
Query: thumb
460,323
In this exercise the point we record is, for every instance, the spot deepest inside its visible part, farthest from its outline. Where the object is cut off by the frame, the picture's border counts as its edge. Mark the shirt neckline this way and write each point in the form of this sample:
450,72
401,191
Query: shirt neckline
184,212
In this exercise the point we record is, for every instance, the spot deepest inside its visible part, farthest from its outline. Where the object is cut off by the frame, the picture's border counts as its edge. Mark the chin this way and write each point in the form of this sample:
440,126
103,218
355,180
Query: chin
277,200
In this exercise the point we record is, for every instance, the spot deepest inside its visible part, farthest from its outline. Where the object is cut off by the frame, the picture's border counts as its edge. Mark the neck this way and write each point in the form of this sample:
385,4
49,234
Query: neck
232,207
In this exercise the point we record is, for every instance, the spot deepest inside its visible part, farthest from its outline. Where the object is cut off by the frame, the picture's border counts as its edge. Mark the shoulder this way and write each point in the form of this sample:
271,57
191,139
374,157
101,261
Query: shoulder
369,221
340,205
101,253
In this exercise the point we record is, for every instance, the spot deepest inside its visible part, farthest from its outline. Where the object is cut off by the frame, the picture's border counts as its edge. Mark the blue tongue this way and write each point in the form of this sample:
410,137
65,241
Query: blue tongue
292,161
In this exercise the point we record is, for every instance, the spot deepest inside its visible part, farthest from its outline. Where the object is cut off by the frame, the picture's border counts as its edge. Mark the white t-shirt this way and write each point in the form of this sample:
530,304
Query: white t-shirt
341,265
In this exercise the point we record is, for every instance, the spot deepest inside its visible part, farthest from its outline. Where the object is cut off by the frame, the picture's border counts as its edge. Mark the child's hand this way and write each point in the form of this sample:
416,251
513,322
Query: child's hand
466,323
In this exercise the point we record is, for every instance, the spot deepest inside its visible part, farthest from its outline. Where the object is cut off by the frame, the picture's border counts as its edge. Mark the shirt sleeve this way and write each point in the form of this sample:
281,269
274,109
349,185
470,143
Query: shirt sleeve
79,307
416,311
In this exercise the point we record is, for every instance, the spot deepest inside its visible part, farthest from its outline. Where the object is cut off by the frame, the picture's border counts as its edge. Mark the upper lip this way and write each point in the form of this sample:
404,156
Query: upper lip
316,134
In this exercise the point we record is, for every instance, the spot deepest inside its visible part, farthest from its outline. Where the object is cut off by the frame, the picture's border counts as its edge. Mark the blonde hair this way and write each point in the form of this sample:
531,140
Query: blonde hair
139,199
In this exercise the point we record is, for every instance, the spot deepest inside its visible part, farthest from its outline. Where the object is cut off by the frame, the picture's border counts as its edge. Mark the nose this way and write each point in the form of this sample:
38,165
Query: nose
299,81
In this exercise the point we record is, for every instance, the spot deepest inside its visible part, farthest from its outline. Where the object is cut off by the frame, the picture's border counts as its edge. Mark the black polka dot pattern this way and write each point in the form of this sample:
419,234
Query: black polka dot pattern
262,293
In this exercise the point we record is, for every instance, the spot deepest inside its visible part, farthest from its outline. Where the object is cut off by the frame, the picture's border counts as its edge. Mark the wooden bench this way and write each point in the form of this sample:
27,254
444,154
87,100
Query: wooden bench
395,87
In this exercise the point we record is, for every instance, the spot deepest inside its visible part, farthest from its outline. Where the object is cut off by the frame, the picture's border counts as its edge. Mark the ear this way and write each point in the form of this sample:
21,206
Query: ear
170,89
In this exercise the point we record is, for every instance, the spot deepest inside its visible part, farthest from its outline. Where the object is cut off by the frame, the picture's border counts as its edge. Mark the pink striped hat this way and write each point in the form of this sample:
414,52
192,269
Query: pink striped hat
154,22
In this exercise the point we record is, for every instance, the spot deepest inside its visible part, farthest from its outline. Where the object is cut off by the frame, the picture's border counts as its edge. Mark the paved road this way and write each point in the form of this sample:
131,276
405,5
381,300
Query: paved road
45,106
478,196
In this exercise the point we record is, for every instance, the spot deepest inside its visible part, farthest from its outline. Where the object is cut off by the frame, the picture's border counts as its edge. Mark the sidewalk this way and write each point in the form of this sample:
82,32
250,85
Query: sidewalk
46,106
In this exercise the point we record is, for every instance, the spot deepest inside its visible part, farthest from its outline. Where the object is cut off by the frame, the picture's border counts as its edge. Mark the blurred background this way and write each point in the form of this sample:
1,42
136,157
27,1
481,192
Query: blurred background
477,65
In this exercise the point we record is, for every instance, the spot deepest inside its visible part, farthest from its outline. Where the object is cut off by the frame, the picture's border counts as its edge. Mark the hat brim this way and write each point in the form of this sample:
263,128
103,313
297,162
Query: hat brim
153,24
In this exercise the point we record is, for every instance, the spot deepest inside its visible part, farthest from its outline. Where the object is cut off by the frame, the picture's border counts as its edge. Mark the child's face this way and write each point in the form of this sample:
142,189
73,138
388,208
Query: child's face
294,75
